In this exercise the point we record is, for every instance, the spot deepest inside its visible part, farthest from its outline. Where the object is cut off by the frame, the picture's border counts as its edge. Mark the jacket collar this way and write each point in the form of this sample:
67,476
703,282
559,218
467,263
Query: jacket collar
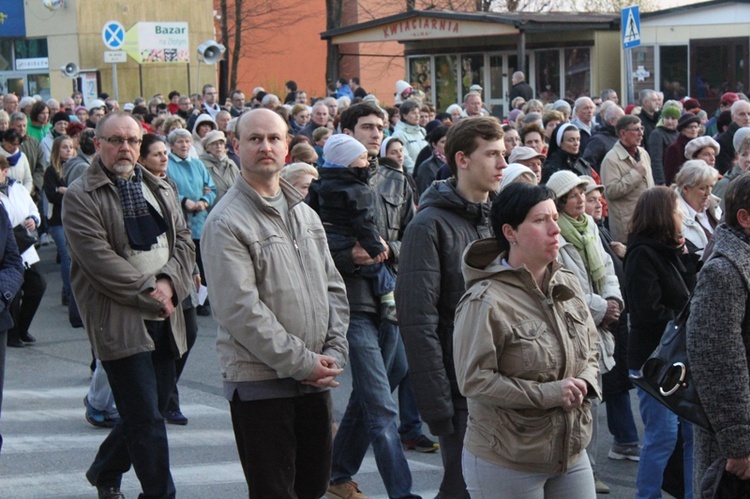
292,195
96,178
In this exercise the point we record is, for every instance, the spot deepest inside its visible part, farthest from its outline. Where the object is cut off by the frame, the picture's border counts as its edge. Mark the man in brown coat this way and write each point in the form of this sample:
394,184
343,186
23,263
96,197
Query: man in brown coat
131,262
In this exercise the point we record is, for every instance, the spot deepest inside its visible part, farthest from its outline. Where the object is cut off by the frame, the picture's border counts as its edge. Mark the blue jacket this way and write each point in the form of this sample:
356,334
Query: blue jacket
192,180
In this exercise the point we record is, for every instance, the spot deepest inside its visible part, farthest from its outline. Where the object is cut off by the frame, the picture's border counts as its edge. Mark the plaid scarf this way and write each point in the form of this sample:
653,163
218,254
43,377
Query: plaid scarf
143,223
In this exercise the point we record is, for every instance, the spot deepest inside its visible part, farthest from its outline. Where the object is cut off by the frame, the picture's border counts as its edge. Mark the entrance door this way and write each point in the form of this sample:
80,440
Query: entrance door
13,82
717,65
501,69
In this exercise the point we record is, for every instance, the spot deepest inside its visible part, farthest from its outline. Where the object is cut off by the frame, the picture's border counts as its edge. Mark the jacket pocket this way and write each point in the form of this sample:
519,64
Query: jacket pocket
538,346
582,428
577,329
392,204
523,438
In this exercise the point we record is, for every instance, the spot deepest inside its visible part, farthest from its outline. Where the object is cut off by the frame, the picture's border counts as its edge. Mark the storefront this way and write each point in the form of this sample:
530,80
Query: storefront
562,54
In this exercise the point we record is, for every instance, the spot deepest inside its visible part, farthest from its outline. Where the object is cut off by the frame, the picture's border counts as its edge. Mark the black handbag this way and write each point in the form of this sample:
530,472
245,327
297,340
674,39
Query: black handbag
24,238
666,374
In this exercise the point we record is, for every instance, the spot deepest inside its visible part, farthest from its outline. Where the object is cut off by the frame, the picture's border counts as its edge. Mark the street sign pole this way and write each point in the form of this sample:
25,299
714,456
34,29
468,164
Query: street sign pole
629,75
114,81
631,37
113,36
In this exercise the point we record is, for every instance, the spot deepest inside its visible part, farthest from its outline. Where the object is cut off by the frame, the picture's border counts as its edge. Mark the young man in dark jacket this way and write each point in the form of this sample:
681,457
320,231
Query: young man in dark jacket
452,214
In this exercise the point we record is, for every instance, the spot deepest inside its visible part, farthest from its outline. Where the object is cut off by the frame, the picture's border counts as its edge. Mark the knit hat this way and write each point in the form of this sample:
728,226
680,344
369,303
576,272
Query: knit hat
341,151
695,145
591,185
95,104
563,181
513,115
513,171
430,126
475,88
523,153
128,106
60,116
686,119
670,112
729,98
212,137
561,104
739,136
80,108
691,105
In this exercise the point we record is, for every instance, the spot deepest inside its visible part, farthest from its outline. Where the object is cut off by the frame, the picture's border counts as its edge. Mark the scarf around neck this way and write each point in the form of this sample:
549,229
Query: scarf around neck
143,223
577,233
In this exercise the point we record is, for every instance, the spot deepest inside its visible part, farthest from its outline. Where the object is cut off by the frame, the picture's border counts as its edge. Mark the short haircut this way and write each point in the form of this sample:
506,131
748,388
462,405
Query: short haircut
207,86
437,133
579,102
467,96
408,105
295,170
695,173
462,136
744,144
626,121
11,135
291,85
531,117
737,198
512,205
18,116
303,152
737,105
268,99
530,128
114,115
173,94
352,114
235,92
552,116
37,109
355,80
653,216
171,121
148,140
646,93
606,93
321,132
178,133
298,108
610,111
532,104
4,116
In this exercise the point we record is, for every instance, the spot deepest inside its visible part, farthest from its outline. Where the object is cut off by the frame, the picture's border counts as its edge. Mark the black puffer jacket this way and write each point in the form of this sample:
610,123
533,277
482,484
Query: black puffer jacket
429,286
561,160
394,209
603,139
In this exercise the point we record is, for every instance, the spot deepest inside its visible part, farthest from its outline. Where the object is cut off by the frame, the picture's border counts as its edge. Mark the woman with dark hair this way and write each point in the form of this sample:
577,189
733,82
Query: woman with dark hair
565,153
38,121
532,135
155,157
689,128
659,276
19,164
525,350
300,116
426,173
511,139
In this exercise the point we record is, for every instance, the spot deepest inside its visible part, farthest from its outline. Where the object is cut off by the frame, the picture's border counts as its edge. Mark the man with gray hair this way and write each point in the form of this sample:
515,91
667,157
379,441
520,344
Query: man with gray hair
583,119
33,151
270,101
319,117
333,107
473,105
10,103
605,137
520,87
740,119
649,114
609,94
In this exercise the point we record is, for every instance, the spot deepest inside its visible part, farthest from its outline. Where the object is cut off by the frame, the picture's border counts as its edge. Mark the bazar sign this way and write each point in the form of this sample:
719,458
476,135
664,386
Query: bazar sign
420,28
163,42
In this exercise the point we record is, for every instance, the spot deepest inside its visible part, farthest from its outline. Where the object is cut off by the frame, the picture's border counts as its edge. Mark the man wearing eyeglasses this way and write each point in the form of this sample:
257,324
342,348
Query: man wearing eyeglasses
625,173
131,260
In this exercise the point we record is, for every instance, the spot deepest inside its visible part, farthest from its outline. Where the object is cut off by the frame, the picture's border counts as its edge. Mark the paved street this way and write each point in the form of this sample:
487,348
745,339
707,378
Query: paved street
49,445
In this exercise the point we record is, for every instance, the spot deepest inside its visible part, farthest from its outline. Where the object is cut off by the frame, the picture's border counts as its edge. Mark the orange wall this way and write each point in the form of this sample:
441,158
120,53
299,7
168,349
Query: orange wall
297,53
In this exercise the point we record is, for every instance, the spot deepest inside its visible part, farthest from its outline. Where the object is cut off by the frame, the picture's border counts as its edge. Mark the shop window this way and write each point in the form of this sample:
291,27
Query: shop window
31,49
644,66
547,75
577,72
6,55
673,71
446,76
420,74
472,71
39,85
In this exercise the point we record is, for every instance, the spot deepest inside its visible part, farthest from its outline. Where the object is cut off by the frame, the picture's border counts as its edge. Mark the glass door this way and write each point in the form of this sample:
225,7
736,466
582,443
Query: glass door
501,69
11,82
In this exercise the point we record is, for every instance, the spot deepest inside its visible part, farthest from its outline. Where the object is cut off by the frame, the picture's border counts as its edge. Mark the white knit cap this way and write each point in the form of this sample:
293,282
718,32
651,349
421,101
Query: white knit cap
563,181
513,171
341,151
740,134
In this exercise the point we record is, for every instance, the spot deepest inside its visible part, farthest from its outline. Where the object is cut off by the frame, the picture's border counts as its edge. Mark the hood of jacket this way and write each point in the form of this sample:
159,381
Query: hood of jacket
200,119
443,194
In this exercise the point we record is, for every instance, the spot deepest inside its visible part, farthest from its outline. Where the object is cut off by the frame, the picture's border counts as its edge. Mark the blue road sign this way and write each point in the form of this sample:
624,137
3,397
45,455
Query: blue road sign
113,35
631,27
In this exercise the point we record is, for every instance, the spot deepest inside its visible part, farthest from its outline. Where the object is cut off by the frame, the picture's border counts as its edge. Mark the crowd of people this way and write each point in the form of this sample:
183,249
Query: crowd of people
494,279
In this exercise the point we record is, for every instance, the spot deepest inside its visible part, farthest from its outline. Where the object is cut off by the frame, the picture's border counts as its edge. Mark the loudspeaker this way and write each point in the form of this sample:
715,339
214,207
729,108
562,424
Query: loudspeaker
70,70
211,52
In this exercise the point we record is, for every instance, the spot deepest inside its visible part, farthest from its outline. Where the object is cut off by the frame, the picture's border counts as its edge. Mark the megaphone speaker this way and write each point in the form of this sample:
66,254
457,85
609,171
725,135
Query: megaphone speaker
211,52
70,70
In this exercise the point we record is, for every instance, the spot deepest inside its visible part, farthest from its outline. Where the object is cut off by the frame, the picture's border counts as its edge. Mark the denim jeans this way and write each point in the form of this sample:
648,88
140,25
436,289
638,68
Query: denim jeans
141,385
58,234
371,416
620,418
100,394
659,440
408,414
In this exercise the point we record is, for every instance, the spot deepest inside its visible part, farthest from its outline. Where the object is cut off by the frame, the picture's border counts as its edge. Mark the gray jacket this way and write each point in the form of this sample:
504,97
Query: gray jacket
274,289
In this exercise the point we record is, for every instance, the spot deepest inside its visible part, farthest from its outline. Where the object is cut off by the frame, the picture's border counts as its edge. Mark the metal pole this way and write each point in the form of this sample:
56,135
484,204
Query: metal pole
114,81
199,76
629,73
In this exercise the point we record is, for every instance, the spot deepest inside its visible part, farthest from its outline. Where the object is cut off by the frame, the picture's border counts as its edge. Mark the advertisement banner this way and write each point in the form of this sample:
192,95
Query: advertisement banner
12,21
163,42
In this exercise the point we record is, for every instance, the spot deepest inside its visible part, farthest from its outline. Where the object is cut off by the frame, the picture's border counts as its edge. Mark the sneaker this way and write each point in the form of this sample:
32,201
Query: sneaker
601,487
45,239
100,419
420,444
175,417
346,490
388,313
622,452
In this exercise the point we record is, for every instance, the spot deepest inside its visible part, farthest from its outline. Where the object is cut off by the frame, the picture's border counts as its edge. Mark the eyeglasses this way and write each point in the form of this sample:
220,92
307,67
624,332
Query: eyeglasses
119,141
637,129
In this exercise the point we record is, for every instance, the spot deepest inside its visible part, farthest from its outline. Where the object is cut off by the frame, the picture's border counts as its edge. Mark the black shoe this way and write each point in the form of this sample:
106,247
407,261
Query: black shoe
109,492
65,299
27,338
15,343
175,417
203,310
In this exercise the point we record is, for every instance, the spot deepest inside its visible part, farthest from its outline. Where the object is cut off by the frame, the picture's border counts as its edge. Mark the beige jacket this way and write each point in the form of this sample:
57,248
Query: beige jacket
513,345
111,294
274,290
623,186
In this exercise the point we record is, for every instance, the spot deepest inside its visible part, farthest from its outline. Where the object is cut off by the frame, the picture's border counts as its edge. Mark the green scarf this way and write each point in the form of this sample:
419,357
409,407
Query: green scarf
577,233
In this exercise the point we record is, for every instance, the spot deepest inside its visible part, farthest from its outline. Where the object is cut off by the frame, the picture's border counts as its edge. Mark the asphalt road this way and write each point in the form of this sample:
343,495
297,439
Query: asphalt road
49,445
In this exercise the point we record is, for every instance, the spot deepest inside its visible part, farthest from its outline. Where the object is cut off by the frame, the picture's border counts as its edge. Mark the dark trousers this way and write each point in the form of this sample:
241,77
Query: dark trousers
141,385
3,347
191,334
453,485
26,302
285,445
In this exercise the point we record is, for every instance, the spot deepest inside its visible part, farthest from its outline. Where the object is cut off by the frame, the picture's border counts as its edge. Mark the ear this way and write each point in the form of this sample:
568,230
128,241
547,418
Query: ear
509,233
346,131
743,218
462,160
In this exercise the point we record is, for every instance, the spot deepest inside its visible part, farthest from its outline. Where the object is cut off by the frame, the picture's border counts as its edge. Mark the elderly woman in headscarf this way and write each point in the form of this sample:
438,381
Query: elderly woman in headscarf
223,171
565,153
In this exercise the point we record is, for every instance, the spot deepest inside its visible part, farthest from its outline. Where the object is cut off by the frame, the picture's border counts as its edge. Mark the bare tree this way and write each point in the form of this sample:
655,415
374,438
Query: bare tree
258,19
613,5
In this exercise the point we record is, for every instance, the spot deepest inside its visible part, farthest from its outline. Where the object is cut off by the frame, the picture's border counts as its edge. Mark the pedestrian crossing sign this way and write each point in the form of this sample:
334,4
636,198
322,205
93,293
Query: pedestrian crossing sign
631,27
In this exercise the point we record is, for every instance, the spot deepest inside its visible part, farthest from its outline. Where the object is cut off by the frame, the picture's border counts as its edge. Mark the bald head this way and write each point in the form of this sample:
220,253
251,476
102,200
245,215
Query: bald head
262,148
